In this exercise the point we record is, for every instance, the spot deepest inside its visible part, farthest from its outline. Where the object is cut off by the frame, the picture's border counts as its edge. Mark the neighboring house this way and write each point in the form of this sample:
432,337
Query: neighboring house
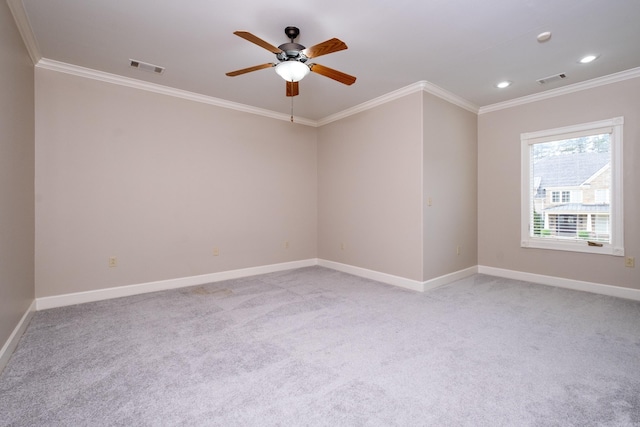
572,195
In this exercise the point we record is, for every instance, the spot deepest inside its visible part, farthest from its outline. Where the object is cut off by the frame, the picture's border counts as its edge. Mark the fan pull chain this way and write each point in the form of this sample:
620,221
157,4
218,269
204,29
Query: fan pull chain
292,109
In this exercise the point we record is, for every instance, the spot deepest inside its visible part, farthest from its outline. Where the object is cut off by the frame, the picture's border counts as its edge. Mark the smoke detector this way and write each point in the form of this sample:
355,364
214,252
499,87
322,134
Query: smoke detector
544,37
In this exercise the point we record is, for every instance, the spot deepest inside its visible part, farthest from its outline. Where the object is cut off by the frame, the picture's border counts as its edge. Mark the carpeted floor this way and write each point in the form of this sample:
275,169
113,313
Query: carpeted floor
314,346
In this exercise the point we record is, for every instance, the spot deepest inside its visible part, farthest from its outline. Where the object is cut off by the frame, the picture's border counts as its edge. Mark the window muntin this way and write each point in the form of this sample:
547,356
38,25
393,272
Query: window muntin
572,188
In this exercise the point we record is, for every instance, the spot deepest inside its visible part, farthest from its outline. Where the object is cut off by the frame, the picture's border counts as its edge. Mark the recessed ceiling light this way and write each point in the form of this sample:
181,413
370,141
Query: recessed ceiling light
587,59
503,84
543,37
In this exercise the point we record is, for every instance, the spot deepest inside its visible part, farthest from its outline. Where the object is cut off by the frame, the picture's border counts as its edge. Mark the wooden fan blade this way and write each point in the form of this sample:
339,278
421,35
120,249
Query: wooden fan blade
257,40
330,46
250,69
336,75
293,89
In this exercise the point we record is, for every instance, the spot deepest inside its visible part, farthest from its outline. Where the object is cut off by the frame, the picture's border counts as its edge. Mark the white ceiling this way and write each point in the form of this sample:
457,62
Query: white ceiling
462,46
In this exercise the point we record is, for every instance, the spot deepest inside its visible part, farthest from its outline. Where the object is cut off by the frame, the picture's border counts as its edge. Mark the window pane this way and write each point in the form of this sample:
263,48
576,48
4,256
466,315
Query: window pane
602,224
602,196
577,172
572,188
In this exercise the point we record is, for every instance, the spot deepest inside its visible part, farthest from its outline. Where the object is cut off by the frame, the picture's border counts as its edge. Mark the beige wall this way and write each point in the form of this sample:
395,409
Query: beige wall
499,183
450,181
16,176
159,182
370,189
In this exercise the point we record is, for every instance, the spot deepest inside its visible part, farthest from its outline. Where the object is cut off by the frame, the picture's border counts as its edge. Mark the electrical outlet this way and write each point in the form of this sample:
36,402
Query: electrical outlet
457,250
113,261
286,244
630,261
342,246
216,251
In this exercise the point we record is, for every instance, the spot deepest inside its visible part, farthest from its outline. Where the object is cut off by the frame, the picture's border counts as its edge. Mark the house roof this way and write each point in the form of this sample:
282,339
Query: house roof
567,170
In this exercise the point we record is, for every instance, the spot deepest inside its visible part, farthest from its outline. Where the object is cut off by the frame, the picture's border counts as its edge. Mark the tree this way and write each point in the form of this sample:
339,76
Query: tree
538,223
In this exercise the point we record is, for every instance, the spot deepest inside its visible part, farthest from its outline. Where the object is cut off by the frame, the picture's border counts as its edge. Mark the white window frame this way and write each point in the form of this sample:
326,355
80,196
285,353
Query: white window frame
613,126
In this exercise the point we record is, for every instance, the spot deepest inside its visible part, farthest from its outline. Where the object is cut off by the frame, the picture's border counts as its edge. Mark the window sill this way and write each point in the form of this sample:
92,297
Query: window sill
572,246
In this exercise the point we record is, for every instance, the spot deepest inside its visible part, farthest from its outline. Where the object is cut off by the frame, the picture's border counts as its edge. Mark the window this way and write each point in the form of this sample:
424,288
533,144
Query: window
576,196
568,196
602,196
581,168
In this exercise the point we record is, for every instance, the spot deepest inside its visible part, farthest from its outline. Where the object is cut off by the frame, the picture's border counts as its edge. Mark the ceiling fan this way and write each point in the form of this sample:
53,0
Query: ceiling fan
292,58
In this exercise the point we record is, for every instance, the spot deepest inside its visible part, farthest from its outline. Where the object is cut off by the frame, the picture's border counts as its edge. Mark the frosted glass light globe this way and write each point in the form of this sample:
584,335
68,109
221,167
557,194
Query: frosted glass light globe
292,71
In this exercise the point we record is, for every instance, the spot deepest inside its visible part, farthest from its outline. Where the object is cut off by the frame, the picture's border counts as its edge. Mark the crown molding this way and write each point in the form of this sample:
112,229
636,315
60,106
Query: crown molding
24,27
62,67
449,97
576,87
49,64
367,105
396,94
423,85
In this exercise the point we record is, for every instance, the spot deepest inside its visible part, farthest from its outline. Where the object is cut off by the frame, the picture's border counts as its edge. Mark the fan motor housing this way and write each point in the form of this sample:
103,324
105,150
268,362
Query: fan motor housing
291,51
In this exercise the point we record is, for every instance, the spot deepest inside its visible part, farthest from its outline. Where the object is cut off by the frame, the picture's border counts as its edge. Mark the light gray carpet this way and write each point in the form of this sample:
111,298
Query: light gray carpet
318,347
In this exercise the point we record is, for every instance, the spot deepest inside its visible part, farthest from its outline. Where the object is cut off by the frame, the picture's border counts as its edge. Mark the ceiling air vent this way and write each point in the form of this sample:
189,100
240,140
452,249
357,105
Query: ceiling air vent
552,78
146,66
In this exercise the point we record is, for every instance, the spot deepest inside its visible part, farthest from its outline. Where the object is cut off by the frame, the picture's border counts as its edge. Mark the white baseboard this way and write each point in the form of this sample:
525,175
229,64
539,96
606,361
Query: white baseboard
402,282
44,303
389,279
450,278
578,285
14,338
